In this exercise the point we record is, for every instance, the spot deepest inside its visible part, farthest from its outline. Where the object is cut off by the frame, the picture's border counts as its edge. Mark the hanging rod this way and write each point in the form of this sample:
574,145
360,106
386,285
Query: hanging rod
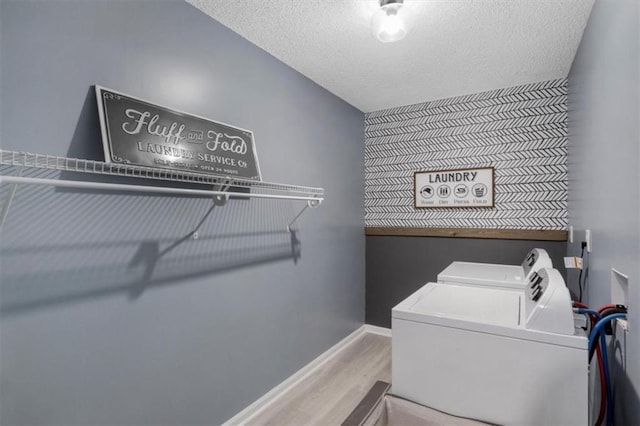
148,189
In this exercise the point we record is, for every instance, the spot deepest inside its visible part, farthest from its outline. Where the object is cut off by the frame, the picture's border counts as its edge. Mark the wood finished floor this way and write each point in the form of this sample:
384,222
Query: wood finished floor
329,395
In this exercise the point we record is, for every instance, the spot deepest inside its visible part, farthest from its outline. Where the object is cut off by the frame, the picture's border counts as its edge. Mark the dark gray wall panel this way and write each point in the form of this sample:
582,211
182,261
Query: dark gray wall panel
221,320
398,266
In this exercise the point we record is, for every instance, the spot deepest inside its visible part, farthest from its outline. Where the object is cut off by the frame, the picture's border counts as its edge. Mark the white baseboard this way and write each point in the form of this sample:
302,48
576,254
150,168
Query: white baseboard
374,329
270,397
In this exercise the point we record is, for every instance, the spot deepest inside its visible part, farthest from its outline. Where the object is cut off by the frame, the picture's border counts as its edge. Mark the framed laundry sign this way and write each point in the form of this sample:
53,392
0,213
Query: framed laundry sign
138,132
459,188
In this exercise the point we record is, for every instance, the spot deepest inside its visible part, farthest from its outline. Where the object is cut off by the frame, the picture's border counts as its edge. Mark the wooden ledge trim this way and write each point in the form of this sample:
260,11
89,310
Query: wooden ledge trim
505,234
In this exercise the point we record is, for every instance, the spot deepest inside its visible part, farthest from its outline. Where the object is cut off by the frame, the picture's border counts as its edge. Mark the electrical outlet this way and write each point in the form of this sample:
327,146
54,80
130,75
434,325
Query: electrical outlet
573,262
587,238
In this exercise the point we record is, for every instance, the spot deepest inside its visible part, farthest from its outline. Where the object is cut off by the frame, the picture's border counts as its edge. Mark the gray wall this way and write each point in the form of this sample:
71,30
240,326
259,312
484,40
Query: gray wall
604,93
398,266
107,316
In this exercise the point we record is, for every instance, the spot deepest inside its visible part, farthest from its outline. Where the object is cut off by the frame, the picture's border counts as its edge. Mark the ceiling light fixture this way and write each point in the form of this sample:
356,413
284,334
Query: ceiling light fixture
391,21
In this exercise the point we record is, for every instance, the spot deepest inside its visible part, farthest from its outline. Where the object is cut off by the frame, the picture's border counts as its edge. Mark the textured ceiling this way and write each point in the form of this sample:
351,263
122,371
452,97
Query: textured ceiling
455,47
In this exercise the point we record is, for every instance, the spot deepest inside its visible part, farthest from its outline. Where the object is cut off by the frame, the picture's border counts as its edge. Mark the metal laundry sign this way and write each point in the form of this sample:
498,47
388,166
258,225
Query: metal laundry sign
137,132
460,188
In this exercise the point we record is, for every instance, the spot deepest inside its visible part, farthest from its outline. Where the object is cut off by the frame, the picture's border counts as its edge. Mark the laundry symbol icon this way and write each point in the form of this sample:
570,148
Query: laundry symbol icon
479,190
444,191
461,190
426,191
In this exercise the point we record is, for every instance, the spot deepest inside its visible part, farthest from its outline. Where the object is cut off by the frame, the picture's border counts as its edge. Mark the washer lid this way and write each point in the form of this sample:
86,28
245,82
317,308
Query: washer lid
474,304
497,311
509,276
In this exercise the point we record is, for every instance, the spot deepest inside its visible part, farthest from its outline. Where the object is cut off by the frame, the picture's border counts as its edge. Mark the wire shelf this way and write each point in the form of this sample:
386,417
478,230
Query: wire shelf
75,165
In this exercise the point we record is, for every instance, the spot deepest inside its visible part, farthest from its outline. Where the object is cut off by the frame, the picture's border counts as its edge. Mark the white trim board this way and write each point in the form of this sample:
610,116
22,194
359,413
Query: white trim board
266,400
374,329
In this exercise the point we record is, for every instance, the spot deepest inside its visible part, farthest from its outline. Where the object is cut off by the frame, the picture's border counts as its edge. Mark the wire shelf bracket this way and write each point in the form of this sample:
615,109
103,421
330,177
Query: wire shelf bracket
314,203
6,205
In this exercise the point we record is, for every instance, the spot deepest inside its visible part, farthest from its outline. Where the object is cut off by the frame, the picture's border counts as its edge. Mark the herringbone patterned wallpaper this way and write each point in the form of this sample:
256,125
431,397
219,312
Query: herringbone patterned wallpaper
521,131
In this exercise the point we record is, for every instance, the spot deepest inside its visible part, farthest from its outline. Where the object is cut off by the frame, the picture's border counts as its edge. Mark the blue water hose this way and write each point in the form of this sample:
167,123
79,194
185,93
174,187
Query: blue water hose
588,311
595,332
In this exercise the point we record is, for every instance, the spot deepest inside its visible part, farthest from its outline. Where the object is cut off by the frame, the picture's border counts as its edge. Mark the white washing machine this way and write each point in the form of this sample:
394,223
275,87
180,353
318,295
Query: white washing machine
512,276
498,355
